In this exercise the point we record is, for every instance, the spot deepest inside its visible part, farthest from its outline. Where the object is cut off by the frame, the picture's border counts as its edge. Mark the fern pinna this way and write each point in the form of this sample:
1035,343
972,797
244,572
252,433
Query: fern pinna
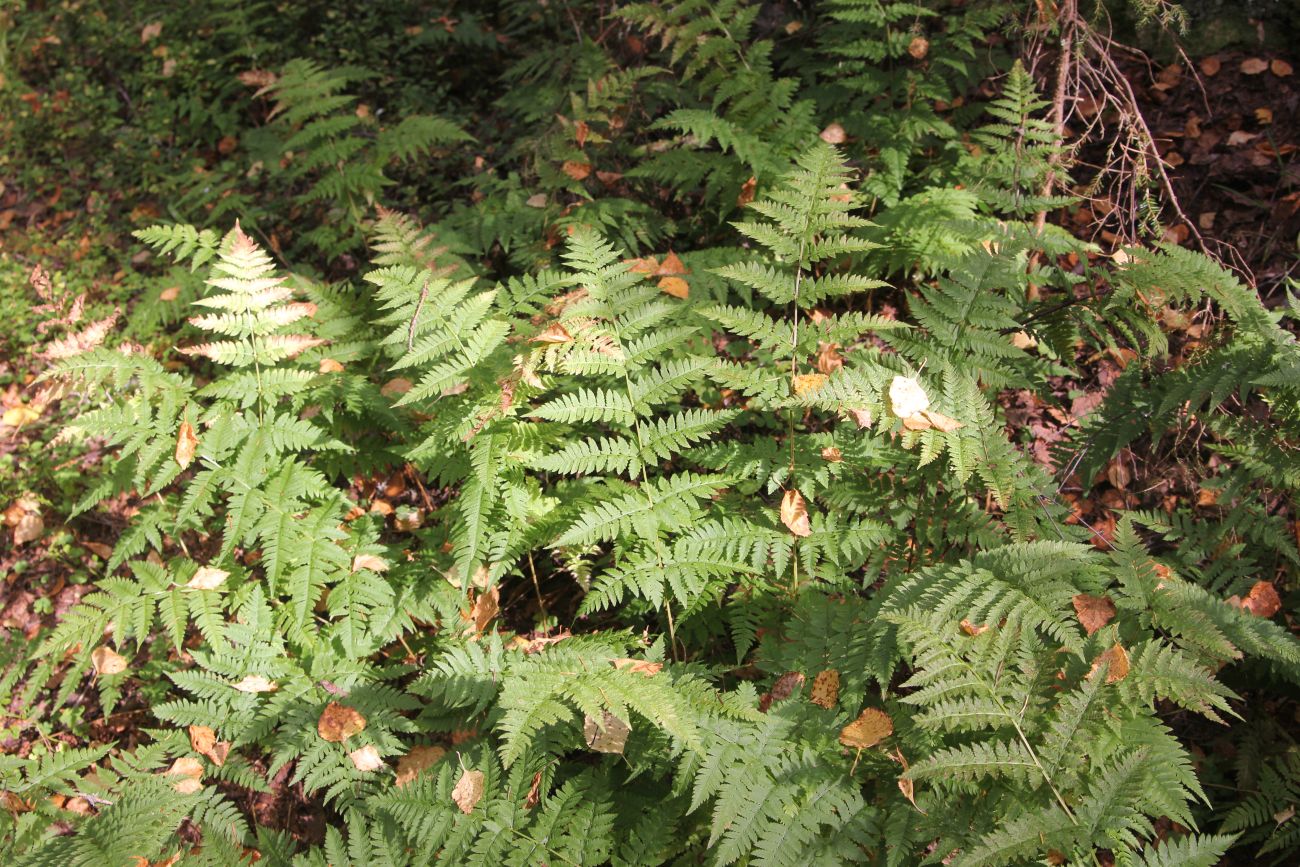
722,558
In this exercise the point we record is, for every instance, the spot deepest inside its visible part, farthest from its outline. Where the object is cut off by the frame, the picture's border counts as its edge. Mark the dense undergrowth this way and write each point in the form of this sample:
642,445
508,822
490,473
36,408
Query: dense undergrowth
555,433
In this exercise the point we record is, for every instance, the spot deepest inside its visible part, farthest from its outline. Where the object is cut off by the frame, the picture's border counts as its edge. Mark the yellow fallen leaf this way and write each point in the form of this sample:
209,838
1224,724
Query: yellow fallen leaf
207,578
17,416
186,445
107,661
1116,659
794,514
366,759
809,383
468,791
870,728
338,722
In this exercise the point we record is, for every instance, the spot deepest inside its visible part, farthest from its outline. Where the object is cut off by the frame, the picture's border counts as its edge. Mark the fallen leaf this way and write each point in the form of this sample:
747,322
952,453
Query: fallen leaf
468,790
1094,612
1240,137
906,784
171,293
366,759
576,170
190,770
786,685
1023,340
338,722
536,200
647,265
832,454
1253,65
639,666
1264,115
151,31
906,397
918,47
329,365
861,417
204,742
939,421
675,286
1263,600
747,192
671,266
825,688
25,517
256,683
609,735
372,562
553,334
394,387
794,514
1210,66
534,796
485,609
834,134
19,415
870,728
1280,68
107,661
186,444
809,383
207,578
1116,660
415,762
972,629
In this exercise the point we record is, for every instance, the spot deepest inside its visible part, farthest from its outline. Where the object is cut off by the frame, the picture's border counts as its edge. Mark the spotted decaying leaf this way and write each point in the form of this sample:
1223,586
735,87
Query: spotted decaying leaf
870,728
468,790
786,685
809,383
794,514
1115,658
338,722
825,688
607,735
366,759
1094,611
107,661
207,578
203,740
415,762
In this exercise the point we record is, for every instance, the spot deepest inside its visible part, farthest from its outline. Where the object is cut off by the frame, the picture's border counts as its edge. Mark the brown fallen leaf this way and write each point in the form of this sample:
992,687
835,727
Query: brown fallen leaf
1210,66
746,194
639,666
366,759
468,790
870,728
207,578
1280,68
785,686
1253,66
832,454
553,334
370,562
1116,660
485,609
107,661
329,365
675,286
918,47
576,170
396,386
1263,600
204,741
794,514
190,772
534,796
608,735
672,266
338,722
415,762
972,629
24,515
906,784
647,266
861,417
825,690
1094,611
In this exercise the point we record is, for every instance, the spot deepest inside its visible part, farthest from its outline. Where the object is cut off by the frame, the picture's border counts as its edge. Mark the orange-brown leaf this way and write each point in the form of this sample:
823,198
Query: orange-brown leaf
186,445
415,762
1263,600
553,334
639,666
675,286
747,192
1094,611
1115,658
576,170
338,722
794,514
870,728
672,266
825,688
809,383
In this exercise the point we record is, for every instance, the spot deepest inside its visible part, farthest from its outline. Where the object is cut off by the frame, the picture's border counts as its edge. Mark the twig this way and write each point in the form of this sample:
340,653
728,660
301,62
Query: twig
415,317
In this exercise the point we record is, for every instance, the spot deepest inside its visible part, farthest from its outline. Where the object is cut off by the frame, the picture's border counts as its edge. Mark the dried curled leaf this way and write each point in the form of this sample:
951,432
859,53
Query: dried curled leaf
207,578
870,728
204,741
371,562
468,791
366,759
786,685
338,722
553,334
186,445
794,514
